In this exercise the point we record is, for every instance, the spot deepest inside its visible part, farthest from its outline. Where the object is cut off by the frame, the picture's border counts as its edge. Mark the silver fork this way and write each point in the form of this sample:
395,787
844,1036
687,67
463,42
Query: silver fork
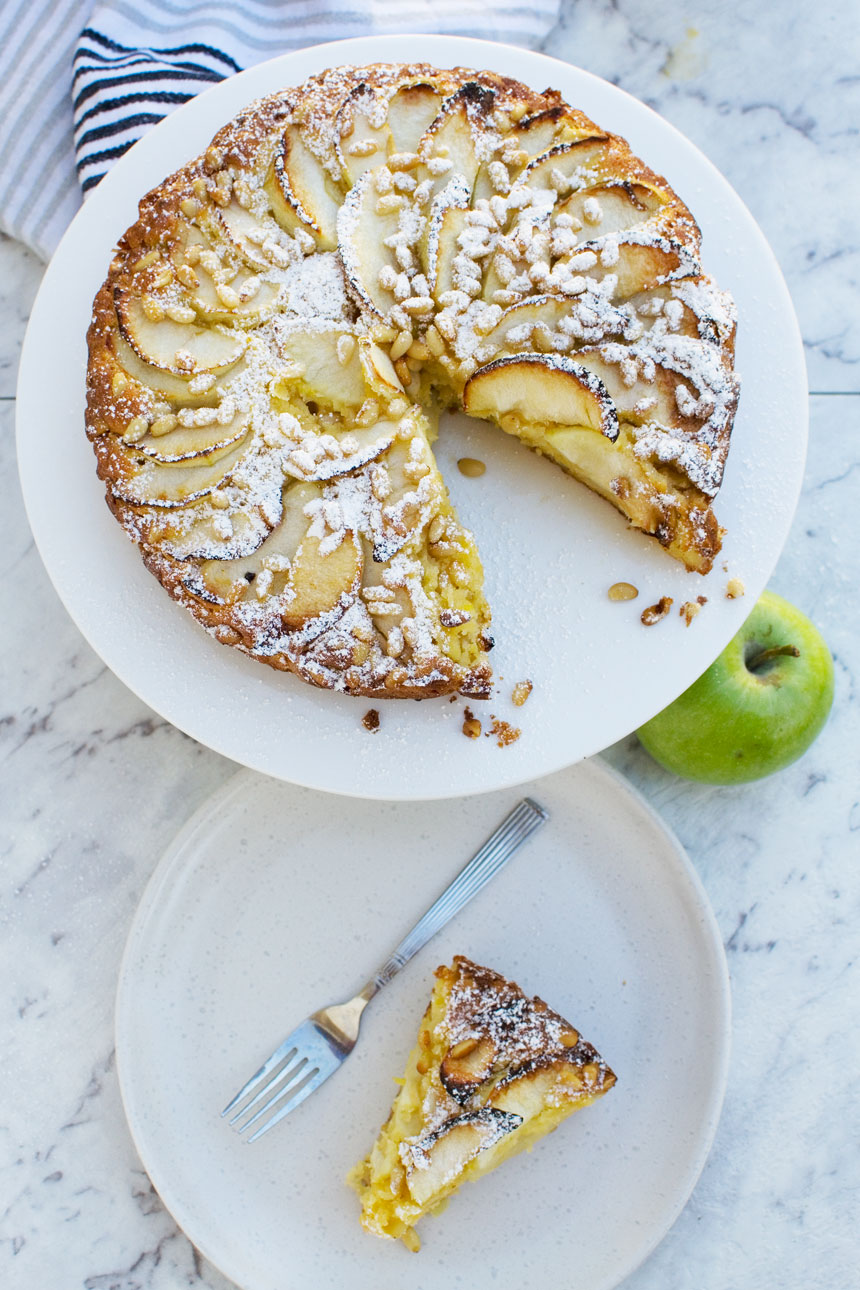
316,1048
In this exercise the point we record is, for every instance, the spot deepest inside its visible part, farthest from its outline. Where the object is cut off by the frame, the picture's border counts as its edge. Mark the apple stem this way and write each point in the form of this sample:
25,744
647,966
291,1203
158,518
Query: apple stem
775,651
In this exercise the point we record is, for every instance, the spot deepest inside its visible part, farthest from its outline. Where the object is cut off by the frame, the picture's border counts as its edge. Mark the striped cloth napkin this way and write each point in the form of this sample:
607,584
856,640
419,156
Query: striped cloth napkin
78,85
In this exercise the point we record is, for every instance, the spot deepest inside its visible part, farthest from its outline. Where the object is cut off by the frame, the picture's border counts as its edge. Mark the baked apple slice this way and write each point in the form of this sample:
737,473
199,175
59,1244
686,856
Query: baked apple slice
184,349
359,446
457,139
362,232
321,581
571,165
529,138
524,327
177,389
327,364
448,216
199,445
378,369
636,399
540,389
444,1154
154,483
244,301
229,580
610,208
362,134
412,109
301,192
638,260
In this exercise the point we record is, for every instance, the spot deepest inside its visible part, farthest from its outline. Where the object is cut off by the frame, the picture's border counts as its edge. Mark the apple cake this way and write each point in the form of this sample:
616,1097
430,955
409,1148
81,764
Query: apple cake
280,328
491,1073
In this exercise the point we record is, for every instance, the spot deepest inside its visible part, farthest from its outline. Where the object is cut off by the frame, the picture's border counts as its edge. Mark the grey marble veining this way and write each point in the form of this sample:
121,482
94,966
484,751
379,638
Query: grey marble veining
94,785
771,94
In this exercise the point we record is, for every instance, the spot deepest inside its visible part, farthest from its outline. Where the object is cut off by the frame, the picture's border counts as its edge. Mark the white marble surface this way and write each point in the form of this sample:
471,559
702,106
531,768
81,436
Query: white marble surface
94,785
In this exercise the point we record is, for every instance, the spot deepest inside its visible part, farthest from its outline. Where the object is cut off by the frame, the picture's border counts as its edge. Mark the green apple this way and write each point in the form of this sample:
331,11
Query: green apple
757,708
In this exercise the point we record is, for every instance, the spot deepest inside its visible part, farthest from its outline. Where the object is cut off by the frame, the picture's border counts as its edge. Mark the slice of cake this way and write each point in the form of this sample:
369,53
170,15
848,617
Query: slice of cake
491,1073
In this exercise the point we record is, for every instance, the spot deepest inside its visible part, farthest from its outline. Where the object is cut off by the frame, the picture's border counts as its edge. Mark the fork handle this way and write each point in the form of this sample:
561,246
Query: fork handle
519,825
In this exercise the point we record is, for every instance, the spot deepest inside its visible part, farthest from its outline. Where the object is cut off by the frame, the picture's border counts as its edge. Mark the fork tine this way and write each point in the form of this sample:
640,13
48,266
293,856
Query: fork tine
277,1087
285,1051
276,1079
311,1084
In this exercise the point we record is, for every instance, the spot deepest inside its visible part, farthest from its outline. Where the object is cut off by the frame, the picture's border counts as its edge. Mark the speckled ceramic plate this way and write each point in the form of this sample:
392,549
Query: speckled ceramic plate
266,906
550,552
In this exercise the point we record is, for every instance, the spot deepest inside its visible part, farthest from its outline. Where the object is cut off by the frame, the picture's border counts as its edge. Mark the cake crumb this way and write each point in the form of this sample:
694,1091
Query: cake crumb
734,589
505,733
471,725
691,608
622,591
370,720
521,692
654,613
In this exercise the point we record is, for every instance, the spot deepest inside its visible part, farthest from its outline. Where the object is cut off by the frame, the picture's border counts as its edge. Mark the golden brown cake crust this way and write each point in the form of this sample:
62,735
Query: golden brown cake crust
169,347
526,1033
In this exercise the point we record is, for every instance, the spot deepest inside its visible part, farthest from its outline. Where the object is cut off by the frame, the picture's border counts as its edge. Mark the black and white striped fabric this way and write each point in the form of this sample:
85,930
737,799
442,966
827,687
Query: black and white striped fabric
79,85
119,92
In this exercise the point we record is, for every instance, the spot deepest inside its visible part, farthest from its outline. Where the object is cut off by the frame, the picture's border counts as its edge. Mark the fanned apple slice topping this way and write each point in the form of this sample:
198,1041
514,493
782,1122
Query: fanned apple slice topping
324,456
636,398
569,166
366,229
246,233
412,109
637,261
229,523
530,138
466,1066
536,134
204,532
442,1155
530,325
301,192
660,309
371,130
243,297
265,570
200,444
321,580
610,208
541,388
323,361
184,349
524,1093
183,390
378,369
409,491
459,138
155,483
362,133
448,219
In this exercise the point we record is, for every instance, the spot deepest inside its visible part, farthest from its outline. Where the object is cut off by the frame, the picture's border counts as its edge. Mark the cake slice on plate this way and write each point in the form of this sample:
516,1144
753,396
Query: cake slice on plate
492,1072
